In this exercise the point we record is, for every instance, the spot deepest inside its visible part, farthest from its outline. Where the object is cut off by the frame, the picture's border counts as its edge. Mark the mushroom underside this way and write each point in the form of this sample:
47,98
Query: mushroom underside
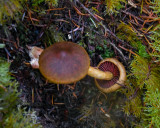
111,67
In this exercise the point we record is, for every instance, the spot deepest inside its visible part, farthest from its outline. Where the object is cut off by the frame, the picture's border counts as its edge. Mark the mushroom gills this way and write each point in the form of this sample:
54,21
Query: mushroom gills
119,75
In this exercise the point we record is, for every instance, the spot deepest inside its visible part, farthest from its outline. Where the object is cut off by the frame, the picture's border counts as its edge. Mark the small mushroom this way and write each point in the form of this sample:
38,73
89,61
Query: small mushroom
119,75
67,62
34,53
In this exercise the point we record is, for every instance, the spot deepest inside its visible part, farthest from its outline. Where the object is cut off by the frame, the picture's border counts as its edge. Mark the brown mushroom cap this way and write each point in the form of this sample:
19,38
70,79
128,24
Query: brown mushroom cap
119,75
64,62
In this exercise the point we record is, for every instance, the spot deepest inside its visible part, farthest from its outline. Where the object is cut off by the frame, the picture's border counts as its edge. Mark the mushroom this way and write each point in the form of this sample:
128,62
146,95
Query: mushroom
34,53
68,62
64,63
119,75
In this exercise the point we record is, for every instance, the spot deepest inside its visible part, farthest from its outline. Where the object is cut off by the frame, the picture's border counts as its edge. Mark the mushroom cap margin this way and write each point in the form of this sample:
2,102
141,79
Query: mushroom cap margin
122,76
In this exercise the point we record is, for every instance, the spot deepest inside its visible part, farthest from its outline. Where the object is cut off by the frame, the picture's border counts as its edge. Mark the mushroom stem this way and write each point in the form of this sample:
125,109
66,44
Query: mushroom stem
98,74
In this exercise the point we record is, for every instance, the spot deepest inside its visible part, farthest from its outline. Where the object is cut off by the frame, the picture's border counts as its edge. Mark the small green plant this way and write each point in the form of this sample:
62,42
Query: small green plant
98,45
104,51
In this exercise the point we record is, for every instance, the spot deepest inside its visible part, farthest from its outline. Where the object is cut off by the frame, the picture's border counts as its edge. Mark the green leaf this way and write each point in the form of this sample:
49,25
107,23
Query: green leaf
2,45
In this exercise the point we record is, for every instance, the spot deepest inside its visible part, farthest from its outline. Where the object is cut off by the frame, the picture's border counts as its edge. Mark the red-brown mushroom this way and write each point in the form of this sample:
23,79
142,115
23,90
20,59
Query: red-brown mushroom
64,62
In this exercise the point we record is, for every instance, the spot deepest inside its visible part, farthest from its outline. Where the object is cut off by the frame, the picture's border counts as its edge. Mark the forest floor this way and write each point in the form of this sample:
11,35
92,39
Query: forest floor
103,35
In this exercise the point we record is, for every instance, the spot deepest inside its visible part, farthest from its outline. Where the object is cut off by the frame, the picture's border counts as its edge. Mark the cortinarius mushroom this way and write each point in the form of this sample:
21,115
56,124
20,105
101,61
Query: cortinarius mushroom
67,62
119,75
64,62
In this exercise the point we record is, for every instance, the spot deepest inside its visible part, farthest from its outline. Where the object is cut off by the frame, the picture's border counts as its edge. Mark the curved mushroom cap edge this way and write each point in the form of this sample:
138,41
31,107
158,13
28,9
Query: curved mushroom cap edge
121,80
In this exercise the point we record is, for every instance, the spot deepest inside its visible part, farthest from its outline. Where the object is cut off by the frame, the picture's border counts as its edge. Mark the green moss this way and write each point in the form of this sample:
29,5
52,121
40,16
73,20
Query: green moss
155,38
143,92
155,5
36,3
125,32
11,117
52,36
8,9
21,119
4,72
112,6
